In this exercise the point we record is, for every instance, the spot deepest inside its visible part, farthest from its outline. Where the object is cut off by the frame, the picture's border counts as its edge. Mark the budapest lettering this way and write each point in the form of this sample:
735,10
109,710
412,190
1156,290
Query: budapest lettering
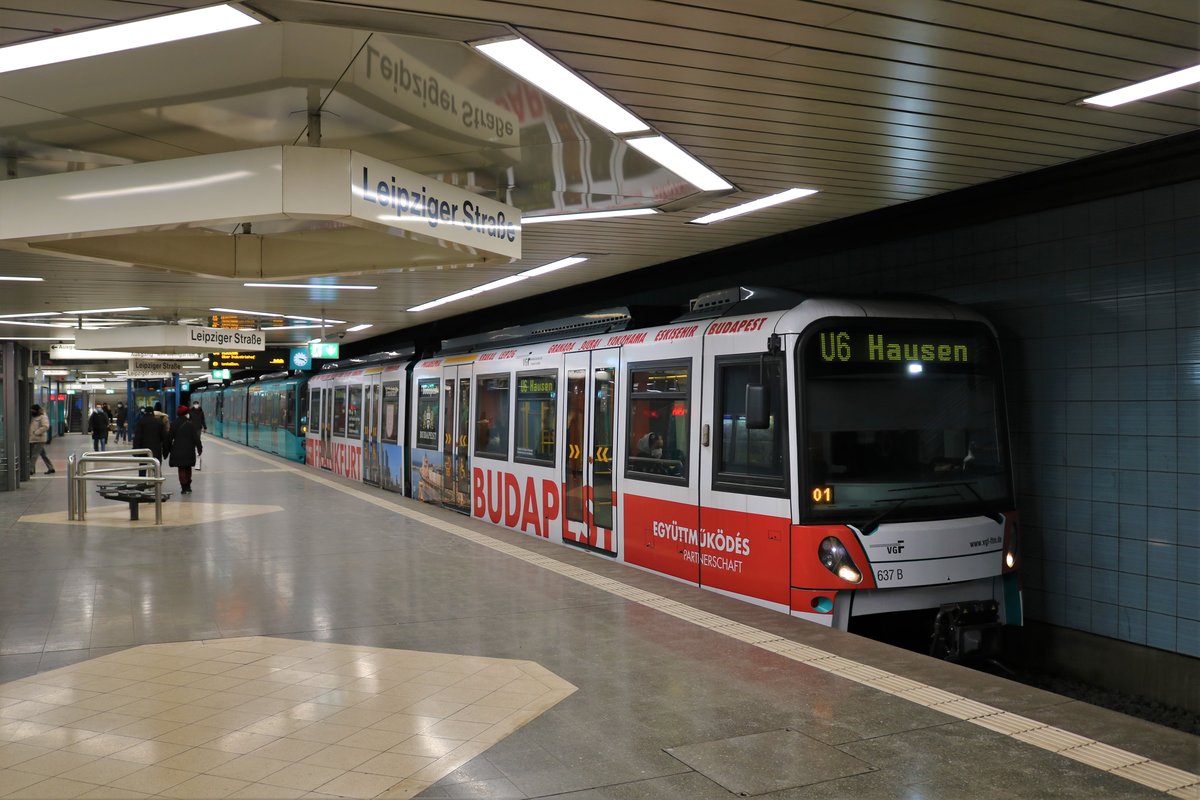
503,499
737,326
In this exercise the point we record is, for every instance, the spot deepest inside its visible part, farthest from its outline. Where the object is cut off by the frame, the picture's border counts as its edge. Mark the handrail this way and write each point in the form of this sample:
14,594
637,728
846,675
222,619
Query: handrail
77,476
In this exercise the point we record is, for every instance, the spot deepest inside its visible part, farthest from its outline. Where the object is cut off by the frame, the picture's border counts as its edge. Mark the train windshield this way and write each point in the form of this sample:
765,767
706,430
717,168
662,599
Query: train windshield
903,419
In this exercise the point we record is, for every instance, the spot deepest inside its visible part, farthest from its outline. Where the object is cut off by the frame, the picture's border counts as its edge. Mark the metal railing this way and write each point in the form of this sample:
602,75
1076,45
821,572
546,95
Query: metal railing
78,474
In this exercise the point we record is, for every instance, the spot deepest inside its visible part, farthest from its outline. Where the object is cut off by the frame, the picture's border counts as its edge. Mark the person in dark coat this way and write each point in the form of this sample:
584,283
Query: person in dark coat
197,417
184,447
149,433
98,425
122,423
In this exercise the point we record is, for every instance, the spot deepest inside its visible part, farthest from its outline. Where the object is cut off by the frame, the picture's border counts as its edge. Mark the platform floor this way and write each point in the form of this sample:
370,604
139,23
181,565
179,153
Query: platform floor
206,658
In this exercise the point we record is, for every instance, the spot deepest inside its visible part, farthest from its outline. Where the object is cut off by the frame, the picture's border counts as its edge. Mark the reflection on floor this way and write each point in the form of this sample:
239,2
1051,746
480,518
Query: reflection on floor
260,718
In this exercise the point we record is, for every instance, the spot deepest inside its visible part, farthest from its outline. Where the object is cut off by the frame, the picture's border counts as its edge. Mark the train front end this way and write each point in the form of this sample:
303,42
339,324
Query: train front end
905,493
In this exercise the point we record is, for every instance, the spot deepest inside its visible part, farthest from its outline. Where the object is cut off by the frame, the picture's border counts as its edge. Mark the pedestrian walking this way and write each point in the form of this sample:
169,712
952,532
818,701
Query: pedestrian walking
39,434
98,425
185,447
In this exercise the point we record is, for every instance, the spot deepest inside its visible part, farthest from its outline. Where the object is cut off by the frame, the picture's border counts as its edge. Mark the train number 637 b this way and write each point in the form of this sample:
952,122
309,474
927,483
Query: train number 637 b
885,575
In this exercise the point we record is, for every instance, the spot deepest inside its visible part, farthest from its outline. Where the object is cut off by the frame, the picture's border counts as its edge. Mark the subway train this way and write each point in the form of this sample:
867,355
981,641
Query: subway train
826,457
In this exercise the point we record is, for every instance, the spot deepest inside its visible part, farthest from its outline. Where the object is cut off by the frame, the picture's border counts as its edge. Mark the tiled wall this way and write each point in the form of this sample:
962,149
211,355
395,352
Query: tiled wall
1098,306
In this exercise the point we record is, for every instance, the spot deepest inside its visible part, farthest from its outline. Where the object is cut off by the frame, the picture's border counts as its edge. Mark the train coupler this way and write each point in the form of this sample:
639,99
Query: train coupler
967,630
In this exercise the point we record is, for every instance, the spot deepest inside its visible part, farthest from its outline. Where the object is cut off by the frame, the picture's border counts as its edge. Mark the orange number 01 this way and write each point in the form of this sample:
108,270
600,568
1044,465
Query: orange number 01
822,494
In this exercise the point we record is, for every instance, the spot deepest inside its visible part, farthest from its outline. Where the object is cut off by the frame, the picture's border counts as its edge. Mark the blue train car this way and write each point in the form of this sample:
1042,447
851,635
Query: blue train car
212,404
276,418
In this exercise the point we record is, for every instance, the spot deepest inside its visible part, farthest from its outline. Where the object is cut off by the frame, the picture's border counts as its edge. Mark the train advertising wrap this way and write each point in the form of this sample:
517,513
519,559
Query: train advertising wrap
738,552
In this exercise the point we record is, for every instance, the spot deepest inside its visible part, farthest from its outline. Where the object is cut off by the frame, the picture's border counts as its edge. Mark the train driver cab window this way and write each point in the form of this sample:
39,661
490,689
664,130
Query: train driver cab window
491,416
657,447
537,408
428,402
749,460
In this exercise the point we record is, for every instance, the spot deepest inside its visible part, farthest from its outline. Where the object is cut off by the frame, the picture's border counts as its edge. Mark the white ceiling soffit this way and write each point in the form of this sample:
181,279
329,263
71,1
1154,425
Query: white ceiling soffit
875,104
272,212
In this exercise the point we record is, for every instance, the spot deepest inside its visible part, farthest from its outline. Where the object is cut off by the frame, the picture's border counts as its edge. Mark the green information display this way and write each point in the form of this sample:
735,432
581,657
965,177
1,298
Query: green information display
324,349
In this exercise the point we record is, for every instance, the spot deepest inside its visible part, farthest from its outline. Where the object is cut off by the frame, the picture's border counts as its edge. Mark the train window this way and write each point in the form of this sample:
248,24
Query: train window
339,411
537,417
659,405
749,460
428,399
314,412
491,416
354,413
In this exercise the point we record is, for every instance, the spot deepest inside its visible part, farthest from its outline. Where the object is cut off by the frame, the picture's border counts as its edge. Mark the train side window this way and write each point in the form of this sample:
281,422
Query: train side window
428,403
354,413
537,417
749,460
314,412
339,411
658,426
491,415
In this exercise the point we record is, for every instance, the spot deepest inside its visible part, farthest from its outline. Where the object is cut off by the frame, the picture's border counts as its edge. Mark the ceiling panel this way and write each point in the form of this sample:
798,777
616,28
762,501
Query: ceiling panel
873,103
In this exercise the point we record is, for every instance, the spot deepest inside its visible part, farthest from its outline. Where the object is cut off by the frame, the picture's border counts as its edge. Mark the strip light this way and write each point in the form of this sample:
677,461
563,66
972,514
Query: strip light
18,278
308,286
361,327
754,205
621,212
1138,91
676,159
33,314
107,310
506,281
127,36
521,57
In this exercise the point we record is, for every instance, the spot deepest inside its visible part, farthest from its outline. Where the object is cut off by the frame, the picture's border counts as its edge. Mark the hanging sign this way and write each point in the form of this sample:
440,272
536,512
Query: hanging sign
152,368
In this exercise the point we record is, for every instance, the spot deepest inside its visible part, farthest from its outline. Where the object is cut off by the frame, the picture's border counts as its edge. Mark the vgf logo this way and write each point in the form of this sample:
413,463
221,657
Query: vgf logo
898,547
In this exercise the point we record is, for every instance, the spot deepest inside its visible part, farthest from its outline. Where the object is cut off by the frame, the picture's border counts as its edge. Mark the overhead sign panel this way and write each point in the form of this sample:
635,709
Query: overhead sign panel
152,368
171,213
170,339
274,359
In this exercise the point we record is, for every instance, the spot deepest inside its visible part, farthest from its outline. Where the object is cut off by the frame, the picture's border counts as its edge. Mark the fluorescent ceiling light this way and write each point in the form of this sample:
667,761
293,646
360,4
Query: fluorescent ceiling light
37,324
309,286
1163,83
522,58
18,278
754,205
361,327
623,212
128,36
506,281
679,161
288,328
107,310
34,339
34,314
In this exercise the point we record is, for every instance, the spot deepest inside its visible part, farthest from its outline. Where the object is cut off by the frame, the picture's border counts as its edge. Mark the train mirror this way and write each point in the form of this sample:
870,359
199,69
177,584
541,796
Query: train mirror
758,407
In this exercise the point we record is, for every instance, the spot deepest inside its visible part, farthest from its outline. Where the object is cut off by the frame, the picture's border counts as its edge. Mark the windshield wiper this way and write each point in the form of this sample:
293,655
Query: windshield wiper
994,516
875,521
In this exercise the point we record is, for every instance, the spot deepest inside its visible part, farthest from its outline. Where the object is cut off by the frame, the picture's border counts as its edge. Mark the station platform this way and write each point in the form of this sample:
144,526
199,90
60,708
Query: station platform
290,634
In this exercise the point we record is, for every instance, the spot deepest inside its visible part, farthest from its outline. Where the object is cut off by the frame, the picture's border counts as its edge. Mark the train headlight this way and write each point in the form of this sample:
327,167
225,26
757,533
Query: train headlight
1010,559
834,557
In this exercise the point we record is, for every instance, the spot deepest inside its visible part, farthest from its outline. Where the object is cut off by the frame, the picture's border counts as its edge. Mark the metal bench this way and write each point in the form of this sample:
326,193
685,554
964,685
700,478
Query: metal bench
132,493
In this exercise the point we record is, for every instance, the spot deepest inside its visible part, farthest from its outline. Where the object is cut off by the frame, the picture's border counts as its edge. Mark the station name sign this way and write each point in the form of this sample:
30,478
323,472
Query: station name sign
169,339
224,339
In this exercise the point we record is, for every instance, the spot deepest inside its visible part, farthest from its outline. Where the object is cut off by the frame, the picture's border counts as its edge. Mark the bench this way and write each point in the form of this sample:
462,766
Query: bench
132,493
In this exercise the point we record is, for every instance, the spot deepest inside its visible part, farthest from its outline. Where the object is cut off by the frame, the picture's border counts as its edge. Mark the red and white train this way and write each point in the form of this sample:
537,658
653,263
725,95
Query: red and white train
828,458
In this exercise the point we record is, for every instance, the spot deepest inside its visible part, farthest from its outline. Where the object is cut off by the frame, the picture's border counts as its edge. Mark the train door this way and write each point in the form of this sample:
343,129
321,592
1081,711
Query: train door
590,492
456,430
371,424
745,510
326,450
